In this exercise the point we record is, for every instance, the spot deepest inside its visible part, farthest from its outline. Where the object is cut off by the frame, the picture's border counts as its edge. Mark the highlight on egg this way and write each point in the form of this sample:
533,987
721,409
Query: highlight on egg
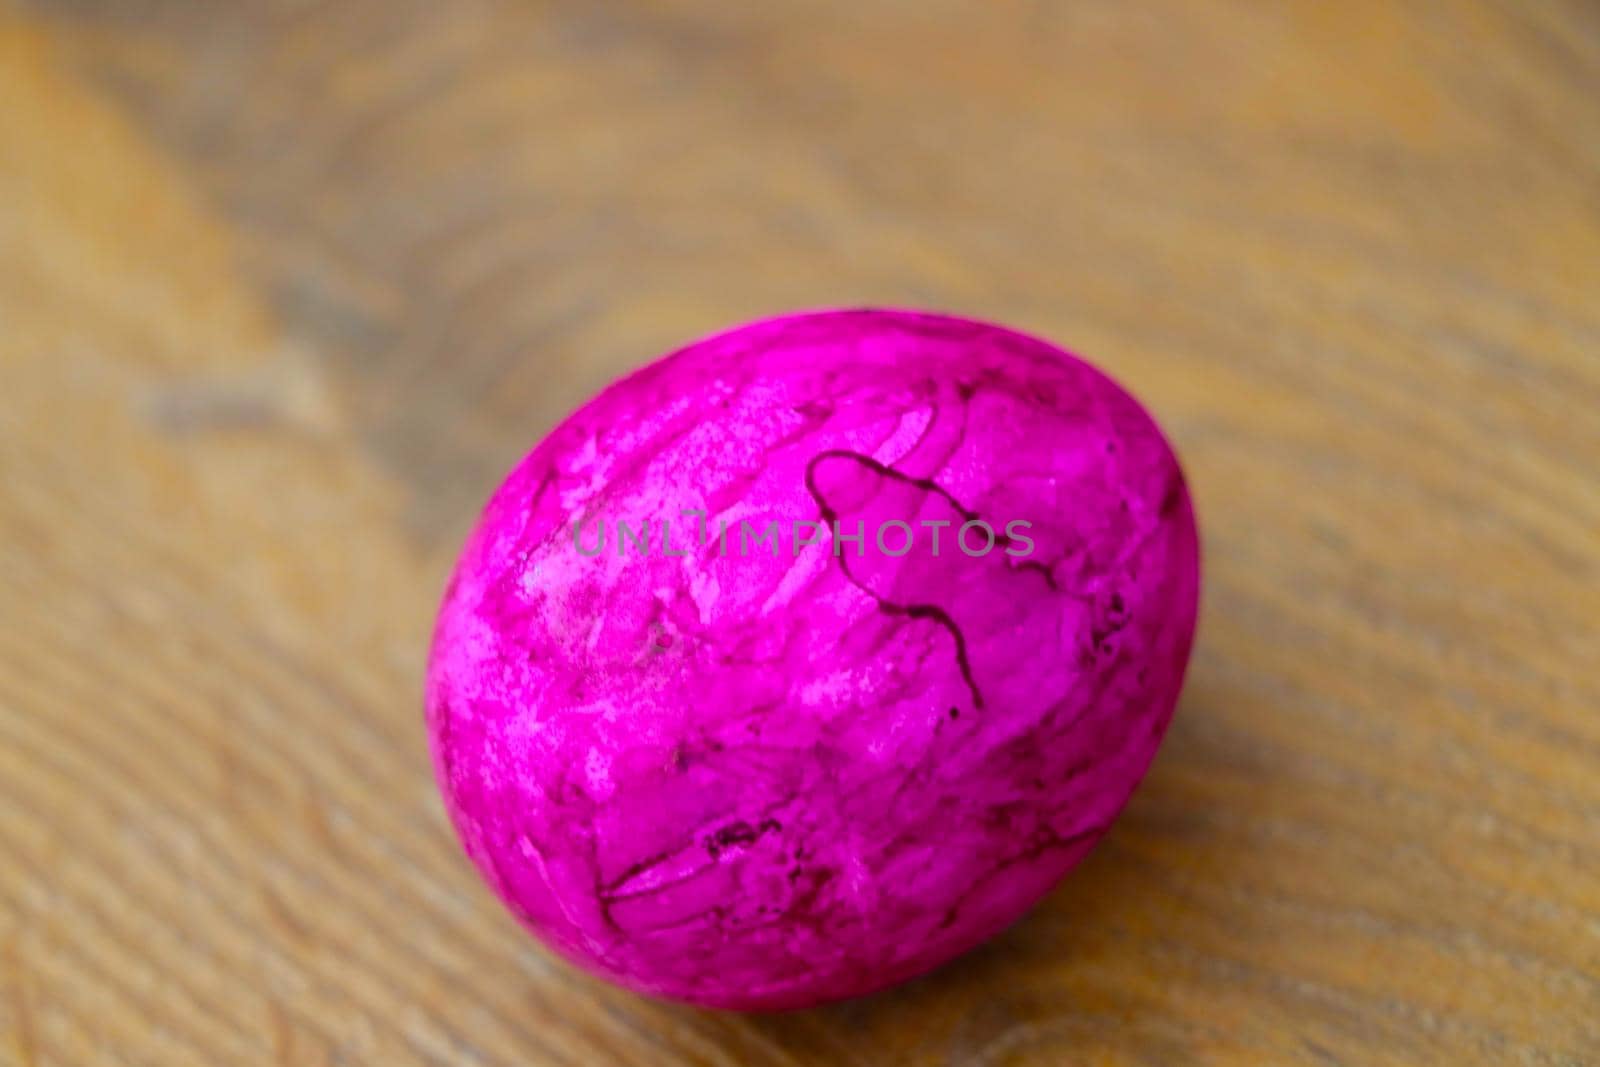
813,654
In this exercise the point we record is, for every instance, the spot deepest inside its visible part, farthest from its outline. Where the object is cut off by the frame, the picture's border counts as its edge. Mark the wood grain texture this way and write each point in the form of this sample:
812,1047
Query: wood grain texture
285,287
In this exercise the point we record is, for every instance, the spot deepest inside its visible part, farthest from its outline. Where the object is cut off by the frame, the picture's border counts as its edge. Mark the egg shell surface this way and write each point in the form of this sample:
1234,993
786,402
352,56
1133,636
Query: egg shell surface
726,704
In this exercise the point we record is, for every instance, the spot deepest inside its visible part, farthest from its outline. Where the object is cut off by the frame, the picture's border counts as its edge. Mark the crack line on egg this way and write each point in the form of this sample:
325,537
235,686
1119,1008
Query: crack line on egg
931,612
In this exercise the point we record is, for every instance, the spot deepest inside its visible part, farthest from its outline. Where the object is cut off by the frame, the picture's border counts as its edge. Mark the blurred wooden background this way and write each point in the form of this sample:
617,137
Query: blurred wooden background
285,287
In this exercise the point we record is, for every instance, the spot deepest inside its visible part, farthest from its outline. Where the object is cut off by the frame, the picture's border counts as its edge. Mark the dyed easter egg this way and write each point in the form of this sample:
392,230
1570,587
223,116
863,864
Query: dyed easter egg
811,655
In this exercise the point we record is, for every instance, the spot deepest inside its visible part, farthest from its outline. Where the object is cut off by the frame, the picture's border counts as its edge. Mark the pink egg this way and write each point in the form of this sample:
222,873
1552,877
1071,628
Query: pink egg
813,654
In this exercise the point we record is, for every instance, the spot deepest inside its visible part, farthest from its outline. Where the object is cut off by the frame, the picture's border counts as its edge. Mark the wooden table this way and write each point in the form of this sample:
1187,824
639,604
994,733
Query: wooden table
285,288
